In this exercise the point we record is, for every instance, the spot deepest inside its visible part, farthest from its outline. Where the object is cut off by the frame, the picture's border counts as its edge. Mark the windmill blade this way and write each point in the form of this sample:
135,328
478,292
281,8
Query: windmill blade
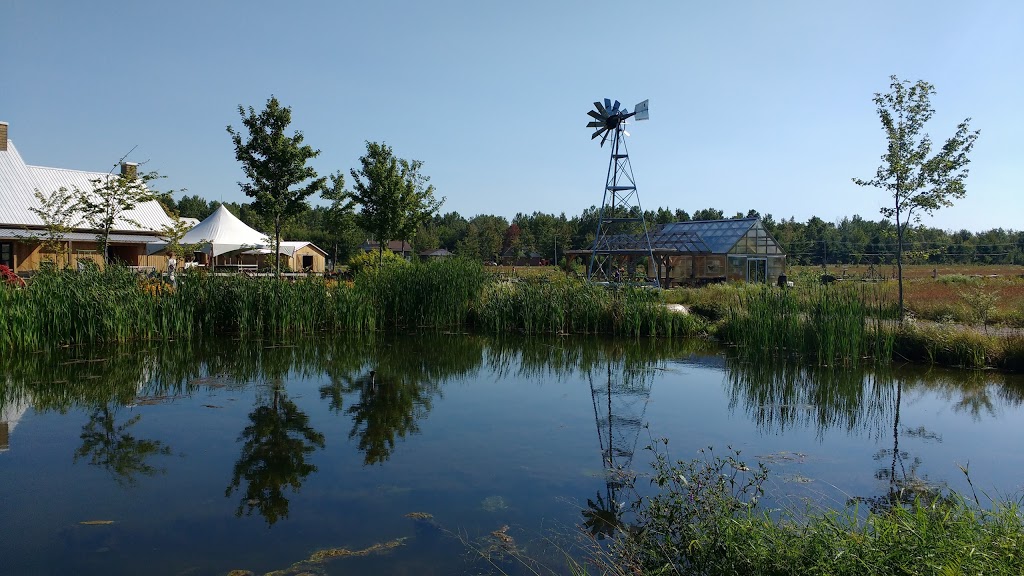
605,137
640,111
598,133
600,108
616,106
596,116
595,124
607,104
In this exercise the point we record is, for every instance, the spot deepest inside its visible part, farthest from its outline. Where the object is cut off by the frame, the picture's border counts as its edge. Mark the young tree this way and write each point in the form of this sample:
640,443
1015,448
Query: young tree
174,233
57,211
393,195
108,201
917,181
339,217
275,164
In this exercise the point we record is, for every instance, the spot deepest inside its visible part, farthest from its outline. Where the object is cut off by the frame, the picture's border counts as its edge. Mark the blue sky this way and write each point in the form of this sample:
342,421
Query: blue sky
754,105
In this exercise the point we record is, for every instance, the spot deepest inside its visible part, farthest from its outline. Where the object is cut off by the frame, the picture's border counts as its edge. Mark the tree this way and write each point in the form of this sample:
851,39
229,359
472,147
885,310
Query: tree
173,233
709,214
917,182
110,198
393,195
275,164
339,217
194,207
57,211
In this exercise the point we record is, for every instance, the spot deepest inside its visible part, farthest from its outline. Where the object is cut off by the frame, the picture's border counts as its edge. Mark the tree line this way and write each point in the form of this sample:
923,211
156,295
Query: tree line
486,237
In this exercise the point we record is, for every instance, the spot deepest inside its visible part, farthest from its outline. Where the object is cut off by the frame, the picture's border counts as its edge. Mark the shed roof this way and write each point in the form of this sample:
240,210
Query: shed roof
19,181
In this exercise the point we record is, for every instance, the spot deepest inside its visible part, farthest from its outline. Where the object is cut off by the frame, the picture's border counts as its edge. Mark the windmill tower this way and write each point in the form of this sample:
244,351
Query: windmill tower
620,402
621,230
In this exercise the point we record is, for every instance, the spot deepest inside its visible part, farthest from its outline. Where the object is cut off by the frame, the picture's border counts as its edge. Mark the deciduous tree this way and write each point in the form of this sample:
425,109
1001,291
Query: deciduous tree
57,211
918,181
394,196
111,197
275,164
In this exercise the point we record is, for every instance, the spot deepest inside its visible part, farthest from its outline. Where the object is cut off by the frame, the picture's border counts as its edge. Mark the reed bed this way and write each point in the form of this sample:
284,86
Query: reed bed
826,324
575,307
65,307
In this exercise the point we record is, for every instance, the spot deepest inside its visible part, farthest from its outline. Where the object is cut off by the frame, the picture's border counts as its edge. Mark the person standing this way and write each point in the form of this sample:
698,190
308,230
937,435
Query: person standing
172,265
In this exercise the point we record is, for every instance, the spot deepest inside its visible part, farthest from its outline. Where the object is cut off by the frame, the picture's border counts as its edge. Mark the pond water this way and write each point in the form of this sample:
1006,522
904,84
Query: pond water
438,455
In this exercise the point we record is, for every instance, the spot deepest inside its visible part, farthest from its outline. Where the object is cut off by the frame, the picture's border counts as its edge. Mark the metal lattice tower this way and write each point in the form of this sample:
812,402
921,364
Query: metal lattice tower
620,402
621,217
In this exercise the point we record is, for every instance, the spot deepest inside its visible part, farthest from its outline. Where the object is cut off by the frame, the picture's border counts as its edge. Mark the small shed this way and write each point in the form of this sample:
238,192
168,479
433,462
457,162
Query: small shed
304,256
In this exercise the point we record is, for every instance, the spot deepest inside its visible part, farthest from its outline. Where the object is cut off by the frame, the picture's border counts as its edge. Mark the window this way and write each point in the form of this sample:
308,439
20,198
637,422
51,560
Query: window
7,254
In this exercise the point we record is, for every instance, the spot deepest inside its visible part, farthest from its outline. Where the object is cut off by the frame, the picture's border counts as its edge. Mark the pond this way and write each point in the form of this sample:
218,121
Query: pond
443,454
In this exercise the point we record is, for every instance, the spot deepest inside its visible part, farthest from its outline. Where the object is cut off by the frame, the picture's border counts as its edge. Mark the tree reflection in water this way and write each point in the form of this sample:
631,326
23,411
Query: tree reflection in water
385,408
110,446
276,446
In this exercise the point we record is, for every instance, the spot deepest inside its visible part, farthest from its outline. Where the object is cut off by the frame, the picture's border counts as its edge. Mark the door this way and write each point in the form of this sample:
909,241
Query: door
757,270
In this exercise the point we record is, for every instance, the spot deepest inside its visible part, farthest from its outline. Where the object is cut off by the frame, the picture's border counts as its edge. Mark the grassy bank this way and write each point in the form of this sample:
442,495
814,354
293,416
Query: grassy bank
705,518
844,323
839,324
67,307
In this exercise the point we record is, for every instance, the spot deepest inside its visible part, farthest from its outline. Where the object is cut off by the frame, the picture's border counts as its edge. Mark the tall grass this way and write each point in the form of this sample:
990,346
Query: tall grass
832,324
575,307
61,307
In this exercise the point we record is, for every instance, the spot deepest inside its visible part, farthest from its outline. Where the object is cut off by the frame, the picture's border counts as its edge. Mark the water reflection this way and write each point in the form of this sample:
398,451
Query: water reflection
619,398
780,396
392,386
384,388
276,446
111,446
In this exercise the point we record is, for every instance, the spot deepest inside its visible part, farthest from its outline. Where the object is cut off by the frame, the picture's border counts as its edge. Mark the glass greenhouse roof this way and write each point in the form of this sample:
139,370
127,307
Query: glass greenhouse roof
719,236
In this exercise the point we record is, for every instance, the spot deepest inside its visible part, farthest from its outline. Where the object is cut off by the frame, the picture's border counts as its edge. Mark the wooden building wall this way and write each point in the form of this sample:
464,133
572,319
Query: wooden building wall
319,260
30,257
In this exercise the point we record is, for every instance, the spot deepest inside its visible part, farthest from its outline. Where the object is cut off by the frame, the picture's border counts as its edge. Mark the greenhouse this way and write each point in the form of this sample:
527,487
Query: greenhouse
703,251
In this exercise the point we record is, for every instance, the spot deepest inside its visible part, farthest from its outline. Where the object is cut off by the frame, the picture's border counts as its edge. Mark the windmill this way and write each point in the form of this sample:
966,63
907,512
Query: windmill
620,402
621,229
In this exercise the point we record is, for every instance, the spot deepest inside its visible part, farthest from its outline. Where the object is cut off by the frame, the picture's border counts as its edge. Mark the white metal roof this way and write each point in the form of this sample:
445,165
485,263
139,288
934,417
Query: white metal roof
116,238
293,246
19,181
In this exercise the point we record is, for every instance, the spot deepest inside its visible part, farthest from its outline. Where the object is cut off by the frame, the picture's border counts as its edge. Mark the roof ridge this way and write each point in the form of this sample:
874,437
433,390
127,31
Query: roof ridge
69,170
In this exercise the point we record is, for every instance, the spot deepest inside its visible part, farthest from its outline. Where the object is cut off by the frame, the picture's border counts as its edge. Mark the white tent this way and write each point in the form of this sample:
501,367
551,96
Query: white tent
222,232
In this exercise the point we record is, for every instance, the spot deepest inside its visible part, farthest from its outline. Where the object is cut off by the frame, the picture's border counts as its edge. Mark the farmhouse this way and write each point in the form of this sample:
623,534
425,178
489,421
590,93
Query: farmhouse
22,230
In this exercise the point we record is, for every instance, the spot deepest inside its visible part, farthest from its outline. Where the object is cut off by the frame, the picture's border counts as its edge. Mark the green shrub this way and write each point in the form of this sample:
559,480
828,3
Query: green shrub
705,519
373,260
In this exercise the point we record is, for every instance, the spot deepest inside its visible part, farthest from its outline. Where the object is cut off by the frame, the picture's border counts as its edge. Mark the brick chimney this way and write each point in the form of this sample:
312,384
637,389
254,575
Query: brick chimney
3,136
130,170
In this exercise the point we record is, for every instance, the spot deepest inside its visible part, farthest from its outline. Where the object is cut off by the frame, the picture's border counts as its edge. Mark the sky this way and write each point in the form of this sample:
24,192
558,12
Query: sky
753,105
